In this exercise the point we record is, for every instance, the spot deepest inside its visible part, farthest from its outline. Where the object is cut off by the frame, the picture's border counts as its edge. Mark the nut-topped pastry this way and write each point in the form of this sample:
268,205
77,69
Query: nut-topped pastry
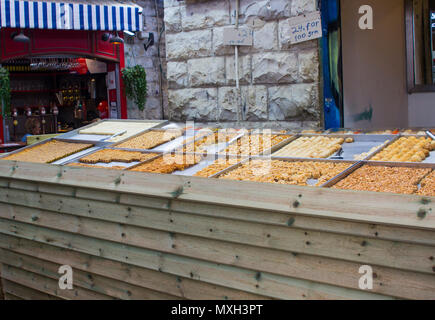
48,152
254,144
384,179
151,139
427,185
85,165
286,172
222,136
169,163
109,155
217,166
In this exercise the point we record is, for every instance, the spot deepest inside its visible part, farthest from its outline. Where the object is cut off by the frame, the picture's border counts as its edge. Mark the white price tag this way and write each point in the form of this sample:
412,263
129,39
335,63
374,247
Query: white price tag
305,27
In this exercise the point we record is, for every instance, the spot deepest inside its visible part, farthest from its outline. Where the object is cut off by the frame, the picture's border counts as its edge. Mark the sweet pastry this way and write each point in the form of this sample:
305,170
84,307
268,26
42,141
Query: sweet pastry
109,128
286,172
200,145
406,149
168,163
48,152
311,147
151,139
364,155
109,155
254,144
384,179
427,185
95,166
217,166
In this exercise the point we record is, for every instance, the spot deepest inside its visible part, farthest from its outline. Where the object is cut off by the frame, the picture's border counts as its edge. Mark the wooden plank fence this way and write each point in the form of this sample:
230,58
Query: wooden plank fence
131,235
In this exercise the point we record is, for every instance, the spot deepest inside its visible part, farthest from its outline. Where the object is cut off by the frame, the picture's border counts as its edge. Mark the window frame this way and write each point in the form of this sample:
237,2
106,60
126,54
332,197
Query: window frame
410,56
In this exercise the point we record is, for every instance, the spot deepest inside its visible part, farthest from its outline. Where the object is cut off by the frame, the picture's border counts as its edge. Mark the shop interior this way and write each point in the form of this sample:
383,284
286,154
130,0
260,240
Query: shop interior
59,93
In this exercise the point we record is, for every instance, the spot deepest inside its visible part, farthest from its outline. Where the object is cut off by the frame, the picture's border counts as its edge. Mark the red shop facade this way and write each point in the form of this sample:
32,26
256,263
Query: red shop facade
65,71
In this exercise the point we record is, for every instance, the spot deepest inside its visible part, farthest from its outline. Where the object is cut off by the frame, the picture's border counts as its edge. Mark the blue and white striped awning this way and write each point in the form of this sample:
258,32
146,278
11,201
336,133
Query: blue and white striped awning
71,15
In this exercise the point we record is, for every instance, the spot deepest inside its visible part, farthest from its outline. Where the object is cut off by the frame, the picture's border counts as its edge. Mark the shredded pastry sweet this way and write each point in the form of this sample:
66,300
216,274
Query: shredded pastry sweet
254,144
384,179
108,156
151,139
200,146
168,163
217,166
286,172
311,147
427,185
406,149
48,152
95,166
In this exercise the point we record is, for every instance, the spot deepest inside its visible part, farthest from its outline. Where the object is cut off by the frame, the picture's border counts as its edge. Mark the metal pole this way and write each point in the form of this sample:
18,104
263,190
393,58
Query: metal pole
236,58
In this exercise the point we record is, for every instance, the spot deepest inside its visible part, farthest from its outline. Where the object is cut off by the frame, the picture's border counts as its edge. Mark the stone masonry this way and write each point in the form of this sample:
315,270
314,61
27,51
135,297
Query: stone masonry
279,82
135,54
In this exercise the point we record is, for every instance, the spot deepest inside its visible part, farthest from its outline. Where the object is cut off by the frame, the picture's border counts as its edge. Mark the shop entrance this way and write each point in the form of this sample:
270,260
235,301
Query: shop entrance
65,58
57,93
60,80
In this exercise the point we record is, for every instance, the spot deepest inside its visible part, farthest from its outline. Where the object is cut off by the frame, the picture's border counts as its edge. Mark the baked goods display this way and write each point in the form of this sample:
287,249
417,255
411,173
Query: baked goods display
395,131
108,156
254,144
407,149
217,166
364,155
417,132
95,166
151,139
311,131
286,172
311,147
168,163
427,185
109,128
222,136
48,152
384,179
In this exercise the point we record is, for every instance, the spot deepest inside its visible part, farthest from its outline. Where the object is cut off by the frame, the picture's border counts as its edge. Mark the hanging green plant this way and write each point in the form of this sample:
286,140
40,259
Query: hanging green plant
135,83
5,92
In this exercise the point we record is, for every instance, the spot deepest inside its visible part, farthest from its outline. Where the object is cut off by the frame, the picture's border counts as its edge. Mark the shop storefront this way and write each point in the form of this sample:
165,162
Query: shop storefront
65,61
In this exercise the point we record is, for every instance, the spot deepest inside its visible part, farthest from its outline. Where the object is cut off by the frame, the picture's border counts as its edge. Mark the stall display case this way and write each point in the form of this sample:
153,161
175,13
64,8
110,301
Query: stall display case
297,231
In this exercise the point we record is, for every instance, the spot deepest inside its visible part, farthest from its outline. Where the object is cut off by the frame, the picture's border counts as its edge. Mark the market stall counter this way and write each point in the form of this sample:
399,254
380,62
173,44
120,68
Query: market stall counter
136,234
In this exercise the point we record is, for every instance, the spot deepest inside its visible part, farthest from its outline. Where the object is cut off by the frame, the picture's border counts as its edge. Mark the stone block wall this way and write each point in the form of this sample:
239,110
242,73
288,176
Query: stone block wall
279,82
135,54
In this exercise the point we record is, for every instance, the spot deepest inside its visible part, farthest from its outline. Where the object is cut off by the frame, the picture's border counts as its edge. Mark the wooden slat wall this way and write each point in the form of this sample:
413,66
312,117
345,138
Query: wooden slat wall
144,236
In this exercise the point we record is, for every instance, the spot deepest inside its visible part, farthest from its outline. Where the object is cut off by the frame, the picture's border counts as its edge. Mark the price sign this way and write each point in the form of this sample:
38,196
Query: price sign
305,27
238,37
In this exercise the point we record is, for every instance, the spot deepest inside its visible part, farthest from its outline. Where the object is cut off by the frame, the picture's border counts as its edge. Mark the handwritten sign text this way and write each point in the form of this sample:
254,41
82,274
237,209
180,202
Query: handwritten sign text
305,27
